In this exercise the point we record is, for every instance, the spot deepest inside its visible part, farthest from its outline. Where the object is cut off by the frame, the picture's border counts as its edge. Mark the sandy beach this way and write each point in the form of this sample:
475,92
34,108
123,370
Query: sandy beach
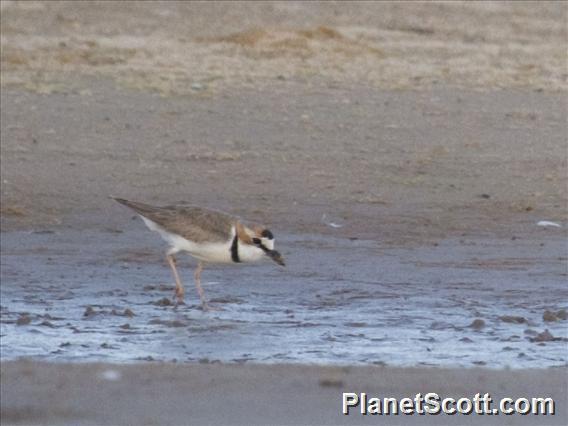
402,153
95,394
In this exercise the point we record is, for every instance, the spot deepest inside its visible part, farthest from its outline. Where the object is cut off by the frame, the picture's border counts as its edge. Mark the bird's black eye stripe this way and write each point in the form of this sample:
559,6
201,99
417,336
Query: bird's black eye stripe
256,241
267,234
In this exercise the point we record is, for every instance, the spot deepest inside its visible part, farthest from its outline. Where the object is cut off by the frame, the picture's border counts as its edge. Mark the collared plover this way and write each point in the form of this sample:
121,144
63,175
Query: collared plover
209,236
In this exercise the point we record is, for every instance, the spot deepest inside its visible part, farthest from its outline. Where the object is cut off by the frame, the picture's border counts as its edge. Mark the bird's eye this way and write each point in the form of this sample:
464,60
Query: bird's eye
267,234
256,241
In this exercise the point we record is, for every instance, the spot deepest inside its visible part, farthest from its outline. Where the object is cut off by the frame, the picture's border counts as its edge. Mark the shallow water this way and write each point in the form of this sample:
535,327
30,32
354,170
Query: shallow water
339,301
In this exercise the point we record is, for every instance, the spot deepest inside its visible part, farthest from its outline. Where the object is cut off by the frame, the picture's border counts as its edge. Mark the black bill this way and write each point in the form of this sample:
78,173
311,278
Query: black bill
277,257
273,254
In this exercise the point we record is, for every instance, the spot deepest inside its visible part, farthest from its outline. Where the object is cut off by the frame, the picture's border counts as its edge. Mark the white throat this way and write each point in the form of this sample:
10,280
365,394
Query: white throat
249,253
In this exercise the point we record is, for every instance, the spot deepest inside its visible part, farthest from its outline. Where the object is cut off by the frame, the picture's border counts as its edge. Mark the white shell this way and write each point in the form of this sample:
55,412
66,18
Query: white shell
548,223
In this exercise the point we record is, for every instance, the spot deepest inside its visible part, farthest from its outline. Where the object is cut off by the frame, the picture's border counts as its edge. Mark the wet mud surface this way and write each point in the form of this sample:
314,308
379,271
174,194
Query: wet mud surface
405,160
70,295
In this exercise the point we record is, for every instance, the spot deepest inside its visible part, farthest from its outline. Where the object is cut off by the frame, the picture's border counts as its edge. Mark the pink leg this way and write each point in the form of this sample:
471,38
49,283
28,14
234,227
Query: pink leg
197,276
179,293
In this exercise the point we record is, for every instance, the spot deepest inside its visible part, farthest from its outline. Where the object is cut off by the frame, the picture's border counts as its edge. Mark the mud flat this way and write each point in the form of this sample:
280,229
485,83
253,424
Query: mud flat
405,216
462,302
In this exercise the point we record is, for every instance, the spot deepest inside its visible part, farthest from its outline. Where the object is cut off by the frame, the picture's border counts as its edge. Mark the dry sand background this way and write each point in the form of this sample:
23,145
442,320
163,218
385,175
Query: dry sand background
168,46
406,122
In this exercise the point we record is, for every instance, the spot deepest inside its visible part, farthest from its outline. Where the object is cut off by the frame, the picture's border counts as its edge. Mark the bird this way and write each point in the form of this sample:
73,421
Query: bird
210,236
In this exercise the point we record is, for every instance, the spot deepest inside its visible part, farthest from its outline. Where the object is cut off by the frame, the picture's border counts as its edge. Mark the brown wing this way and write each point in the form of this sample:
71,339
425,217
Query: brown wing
192,223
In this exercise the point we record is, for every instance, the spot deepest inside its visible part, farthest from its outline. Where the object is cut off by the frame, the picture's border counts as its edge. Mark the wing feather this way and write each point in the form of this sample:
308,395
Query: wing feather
193,223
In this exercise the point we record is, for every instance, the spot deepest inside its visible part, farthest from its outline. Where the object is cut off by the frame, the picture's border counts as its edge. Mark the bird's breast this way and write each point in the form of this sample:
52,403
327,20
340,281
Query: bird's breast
210,252
249,253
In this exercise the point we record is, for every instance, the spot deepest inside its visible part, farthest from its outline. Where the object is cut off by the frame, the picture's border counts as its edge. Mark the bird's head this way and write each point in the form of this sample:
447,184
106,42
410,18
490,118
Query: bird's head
264,240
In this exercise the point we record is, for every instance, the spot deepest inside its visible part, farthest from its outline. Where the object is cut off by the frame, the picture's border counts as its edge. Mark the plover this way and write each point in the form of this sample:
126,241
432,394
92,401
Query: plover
210,236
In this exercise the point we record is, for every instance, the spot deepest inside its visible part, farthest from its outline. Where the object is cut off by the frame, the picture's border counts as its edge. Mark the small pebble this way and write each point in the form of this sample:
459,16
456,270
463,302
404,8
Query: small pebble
513,319
545,336
477,324
89,312
331,383
163,302
23,320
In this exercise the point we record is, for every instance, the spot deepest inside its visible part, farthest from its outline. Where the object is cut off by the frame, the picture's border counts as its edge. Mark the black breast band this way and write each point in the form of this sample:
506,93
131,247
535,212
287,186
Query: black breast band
235,250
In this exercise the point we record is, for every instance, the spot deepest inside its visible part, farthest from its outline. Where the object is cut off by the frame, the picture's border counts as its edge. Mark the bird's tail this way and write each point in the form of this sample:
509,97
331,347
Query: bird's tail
140,208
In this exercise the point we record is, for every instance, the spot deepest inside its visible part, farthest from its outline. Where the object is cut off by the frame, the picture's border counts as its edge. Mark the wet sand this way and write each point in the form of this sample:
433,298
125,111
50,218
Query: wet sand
402,154
168,394
466,302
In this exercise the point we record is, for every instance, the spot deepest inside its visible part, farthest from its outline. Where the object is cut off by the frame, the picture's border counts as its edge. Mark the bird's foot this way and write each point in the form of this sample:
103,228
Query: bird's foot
178,302
178,296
